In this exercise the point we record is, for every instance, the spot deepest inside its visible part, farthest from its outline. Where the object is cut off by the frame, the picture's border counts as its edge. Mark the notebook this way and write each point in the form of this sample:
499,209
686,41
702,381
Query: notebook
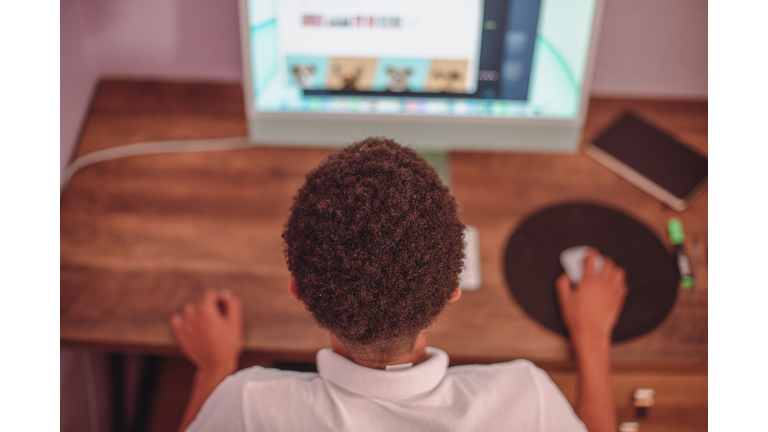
651,160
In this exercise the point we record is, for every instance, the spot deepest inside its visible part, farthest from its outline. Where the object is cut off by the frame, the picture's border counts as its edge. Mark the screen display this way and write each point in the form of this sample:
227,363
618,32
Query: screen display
465,58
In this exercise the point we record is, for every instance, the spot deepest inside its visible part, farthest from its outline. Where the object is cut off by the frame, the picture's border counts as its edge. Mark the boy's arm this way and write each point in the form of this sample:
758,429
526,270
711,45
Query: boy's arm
210,333
590,313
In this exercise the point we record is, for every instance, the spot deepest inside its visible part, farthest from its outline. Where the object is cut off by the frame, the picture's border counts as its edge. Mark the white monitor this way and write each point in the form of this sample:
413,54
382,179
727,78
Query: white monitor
436,75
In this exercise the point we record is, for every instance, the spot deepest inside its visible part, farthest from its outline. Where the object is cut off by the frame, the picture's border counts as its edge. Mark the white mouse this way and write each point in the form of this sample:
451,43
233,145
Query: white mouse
572,260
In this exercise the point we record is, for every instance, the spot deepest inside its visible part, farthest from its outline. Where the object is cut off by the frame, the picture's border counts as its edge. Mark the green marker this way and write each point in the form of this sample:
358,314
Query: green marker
676,236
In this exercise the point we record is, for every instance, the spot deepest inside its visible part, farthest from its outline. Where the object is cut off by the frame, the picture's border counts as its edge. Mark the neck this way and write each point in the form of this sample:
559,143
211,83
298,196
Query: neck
417,355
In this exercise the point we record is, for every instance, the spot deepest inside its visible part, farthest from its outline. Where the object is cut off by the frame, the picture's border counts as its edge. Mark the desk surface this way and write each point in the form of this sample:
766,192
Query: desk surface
141,236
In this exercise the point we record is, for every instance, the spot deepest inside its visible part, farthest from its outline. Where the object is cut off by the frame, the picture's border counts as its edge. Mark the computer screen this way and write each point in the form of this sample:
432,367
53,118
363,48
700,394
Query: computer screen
481,69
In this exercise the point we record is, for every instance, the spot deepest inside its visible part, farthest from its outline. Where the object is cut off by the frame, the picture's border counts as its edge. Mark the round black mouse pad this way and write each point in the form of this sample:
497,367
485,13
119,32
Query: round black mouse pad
532,263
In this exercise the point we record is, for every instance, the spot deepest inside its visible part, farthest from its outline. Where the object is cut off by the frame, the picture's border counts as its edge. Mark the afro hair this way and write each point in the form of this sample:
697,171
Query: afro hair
375,244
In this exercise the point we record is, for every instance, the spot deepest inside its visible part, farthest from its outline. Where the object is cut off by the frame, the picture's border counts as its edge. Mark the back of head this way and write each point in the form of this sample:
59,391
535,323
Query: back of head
375,245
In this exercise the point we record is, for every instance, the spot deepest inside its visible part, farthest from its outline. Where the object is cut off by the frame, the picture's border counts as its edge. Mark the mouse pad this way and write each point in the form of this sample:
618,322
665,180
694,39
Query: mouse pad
532,263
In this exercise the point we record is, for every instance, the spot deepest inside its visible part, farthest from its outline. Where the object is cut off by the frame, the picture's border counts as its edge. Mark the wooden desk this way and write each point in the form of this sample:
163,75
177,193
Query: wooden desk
141,236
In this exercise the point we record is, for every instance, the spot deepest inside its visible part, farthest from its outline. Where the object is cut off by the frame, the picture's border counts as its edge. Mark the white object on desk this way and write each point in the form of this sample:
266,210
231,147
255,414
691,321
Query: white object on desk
572,260
469,279
629,427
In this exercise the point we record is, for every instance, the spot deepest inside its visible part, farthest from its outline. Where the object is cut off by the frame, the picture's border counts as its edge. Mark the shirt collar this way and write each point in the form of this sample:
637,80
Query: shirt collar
379,383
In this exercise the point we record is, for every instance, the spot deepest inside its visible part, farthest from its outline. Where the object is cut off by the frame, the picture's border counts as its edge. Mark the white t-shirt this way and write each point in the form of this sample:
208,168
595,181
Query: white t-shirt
344,396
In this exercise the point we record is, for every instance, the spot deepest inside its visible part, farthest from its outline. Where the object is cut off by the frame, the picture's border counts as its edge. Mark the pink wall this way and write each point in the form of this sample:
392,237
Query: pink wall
78,75
173,39
653,48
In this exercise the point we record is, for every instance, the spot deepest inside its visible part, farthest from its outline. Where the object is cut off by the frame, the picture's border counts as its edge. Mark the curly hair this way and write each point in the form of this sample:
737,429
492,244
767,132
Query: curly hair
375,244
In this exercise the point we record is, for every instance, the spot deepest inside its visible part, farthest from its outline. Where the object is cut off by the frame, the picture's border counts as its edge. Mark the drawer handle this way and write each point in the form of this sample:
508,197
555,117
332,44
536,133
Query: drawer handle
642,400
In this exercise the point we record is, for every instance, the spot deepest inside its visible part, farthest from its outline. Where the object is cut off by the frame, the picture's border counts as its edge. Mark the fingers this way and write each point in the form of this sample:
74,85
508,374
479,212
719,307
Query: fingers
610,270
608,263
618,276
179,328
232,306
622,282
563,287
589,262
614,274
176,323
208,303
237,309
212,305
189,311
218,303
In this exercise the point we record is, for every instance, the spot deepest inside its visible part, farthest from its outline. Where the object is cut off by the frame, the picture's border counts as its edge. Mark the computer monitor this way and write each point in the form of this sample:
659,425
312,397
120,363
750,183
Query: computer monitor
464,74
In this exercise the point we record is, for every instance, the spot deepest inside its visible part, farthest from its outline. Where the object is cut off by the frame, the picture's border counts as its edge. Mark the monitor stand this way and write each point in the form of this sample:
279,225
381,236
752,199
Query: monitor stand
439,160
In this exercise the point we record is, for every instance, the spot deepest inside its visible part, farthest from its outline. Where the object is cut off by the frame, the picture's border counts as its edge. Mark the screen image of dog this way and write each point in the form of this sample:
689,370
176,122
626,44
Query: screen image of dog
447,76
351,74
398,79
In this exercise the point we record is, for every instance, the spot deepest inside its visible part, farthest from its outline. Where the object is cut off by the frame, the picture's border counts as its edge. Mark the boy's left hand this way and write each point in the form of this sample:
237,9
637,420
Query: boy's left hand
591,311
210,332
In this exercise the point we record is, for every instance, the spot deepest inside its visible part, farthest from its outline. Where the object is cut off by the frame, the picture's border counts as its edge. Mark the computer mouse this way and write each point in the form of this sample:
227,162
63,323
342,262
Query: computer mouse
572,260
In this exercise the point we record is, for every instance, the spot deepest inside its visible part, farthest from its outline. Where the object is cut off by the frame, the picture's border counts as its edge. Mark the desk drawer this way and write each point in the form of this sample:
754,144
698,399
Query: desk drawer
680,398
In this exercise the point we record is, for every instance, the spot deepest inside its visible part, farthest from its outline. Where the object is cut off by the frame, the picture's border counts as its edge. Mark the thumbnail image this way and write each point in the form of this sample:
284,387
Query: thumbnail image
447,76
401,75
350,74
307,72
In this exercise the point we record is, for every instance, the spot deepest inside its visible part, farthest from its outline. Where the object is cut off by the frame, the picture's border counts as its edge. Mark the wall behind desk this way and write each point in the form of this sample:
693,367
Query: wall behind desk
647,48
78,75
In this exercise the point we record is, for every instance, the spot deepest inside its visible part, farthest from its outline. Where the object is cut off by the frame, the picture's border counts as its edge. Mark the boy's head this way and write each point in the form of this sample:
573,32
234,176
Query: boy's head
375,245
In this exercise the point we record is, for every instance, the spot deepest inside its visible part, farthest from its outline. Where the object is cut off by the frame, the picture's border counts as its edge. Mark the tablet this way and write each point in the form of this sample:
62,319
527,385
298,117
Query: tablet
651,160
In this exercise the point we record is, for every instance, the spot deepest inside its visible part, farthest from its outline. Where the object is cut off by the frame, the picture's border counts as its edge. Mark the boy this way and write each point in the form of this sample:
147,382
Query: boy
374,246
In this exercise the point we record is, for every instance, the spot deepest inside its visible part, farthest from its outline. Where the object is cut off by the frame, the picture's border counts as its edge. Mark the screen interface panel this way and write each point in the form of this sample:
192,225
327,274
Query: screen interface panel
465,58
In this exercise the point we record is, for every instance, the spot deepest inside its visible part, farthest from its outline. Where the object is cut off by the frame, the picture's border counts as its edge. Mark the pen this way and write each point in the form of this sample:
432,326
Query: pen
676,236
694,268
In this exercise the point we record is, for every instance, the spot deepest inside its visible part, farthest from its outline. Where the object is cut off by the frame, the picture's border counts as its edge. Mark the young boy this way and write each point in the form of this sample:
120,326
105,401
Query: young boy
374,246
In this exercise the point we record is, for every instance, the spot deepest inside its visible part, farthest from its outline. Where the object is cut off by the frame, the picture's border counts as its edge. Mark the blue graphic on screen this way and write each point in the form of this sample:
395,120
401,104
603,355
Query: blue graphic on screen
264,55
306,72
561,61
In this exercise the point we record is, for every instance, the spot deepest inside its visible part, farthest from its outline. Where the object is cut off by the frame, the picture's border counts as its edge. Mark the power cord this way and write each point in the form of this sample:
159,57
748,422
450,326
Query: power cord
153,147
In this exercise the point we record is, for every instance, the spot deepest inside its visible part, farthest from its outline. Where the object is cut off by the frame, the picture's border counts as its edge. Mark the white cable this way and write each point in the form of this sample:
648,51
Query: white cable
152,147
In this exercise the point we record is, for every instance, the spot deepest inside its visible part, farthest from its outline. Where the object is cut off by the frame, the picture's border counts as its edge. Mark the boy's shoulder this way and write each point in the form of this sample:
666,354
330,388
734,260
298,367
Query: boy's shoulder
517,368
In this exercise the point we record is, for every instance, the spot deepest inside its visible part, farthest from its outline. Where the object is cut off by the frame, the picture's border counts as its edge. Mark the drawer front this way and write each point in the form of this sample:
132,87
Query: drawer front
680,399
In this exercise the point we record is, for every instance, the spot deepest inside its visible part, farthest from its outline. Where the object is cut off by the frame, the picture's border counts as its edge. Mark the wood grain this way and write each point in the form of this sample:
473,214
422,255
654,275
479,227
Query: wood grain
141,236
